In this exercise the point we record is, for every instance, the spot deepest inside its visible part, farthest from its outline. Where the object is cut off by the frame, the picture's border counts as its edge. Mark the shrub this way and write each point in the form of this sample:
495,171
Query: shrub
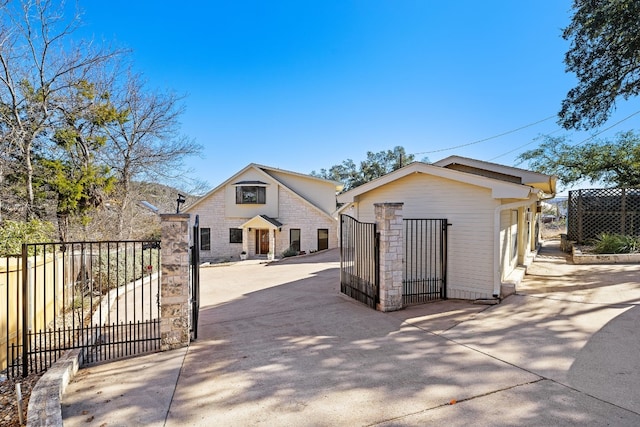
607,243
289,252
123,267
14,233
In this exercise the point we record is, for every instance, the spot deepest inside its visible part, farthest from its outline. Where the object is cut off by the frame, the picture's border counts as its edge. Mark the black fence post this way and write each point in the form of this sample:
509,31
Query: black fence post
25,309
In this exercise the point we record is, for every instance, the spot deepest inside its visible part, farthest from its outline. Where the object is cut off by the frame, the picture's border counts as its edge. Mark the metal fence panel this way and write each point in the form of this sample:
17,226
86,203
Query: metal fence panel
102,297
425,260
359,261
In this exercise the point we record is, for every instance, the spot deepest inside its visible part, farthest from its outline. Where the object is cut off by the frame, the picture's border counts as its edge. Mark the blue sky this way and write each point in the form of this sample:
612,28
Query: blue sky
303,85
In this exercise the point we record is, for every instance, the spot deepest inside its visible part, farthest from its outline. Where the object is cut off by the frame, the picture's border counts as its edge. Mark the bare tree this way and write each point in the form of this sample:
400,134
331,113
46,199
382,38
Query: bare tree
37,56
148,145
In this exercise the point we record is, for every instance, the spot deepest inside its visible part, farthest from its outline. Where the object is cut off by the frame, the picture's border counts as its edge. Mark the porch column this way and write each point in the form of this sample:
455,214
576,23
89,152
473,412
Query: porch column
272,243
389,225
174,284
245,240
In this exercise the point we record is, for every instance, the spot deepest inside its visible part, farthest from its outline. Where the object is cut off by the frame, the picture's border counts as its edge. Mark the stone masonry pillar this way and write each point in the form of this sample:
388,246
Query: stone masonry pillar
174,285
389,224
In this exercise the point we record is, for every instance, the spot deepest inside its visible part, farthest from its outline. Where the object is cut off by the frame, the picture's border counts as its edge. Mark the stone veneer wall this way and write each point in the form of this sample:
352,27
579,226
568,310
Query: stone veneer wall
175,311
389,222
295,213
212,216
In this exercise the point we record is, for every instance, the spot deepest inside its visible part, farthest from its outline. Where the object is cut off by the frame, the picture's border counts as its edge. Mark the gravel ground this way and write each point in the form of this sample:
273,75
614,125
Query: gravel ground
8,404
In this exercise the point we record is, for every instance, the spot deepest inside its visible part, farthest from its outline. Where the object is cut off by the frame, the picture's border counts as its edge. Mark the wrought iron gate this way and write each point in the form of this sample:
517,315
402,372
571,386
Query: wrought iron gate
102,297
425,264
359,261
194,289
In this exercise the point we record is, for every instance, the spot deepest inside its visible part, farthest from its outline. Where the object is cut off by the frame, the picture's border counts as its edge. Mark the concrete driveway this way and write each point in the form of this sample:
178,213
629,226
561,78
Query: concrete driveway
279,345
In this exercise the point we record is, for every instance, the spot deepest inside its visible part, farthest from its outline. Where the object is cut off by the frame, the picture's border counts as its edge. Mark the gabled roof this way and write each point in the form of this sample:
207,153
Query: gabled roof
264,171
260,220
543,182
499,189
250,183
339,185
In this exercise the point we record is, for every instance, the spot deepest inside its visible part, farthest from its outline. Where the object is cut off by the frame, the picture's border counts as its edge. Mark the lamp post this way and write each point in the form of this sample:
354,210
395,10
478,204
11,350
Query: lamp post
180,200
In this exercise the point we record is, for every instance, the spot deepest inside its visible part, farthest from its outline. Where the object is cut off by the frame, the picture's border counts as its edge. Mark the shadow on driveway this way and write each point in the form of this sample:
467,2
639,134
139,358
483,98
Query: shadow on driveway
279,345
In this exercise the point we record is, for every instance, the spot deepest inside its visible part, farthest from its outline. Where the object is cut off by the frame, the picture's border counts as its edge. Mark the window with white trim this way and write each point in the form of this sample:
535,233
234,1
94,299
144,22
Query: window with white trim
253,194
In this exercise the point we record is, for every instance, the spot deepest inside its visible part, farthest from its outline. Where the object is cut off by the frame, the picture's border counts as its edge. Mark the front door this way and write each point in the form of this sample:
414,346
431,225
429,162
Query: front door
262,242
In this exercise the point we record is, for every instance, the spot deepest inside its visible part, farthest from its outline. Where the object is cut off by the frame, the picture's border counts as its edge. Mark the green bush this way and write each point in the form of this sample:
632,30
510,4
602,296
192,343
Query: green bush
14,233
607,243
289,252
113,269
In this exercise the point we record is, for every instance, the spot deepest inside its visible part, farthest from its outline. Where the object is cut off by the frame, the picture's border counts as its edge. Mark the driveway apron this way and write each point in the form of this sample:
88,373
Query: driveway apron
279,345
288,349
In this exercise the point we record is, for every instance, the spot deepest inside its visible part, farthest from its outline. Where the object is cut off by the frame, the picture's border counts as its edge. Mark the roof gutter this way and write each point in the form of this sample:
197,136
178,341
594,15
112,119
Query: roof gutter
497,273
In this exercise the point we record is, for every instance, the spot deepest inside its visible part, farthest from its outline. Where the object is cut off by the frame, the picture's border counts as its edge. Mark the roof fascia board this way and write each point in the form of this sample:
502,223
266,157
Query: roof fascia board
270,177
259,220
302,175
527,176
228,182
500,189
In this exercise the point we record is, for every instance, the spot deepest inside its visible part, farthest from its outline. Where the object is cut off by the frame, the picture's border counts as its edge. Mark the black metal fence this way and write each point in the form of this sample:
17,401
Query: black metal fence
592,212
359,261
102,297
425,260
195,278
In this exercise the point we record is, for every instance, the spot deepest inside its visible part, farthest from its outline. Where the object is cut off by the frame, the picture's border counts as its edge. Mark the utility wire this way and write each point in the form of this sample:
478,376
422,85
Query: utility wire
487,139
606,129
558,130
524,145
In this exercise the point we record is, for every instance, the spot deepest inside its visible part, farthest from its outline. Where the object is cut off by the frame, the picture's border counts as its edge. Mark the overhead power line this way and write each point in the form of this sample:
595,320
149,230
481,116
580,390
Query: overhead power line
487,139
608,128
579,143
524,145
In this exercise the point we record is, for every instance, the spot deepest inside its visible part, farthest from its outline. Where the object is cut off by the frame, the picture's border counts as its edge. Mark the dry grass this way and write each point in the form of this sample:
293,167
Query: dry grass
552,230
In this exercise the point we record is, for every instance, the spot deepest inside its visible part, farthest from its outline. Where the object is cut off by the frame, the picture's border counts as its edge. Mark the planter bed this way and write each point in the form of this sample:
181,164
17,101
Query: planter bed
580,257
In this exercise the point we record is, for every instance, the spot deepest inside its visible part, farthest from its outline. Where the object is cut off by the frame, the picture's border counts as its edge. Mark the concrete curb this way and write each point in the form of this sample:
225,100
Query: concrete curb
45,401
581,258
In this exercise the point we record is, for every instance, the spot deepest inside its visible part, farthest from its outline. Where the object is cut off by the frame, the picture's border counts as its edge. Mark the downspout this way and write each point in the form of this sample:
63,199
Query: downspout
497,273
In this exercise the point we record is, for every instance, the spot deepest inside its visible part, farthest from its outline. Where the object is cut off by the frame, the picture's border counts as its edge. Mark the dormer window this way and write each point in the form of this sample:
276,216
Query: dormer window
253,192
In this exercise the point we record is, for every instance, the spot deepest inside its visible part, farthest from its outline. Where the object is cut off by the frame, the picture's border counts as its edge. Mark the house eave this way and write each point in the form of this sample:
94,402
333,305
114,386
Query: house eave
262,221
499,189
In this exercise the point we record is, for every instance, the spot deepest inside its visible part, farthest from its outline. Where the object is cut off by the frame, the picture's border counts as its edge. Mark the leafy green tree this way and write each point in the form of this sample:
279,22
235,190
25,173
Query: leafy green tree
79,184
376,165
614,163
37,62
605,56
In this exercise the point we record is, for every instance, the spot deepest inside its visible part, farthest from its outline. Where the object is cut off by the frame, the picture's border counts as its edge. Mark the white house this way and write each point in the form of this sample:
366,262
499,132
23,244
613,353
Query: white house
492,211
264,211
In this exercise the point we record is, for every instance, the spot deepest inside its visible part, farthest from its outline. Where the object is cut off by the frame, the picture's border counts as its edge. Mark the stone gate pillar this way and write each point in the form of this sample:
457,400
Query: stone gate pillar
389,224
174,284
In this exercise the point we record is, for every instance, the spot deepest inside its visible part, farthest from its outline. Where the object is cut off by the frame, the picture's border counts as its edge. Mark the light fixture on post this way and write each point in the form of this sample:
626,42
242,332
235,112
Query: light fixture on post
180,200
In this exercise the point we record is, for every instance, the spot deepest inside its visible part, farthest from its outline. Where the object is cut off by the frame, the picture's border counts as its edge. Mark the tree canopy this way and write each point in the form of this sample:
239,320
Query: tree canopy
74,126
374,166
605,56
614,163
